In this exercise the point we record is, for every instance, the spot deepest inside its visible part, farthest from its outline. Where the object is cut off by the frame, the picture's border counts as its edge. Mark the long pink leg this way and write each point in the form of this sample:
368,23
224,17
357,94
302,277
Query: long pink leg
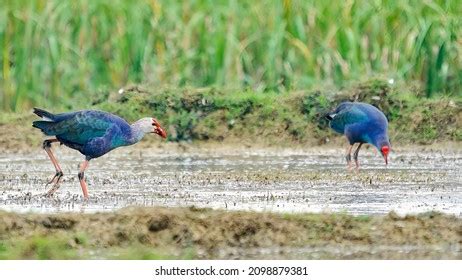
355,156
59,173
81,175
348,156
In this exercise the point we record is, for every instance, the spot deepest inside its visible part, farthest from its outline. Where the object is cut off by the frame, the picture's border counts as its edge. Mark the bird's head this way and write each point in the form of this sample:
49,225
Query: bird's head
385,150
382,143
151,125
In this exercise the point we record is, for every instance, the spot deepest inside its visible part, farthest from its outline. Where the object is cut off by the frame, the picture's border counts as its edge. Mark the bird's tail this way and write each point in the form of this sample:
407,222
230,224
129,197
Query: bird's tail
46,116
329,116
45,126
47,123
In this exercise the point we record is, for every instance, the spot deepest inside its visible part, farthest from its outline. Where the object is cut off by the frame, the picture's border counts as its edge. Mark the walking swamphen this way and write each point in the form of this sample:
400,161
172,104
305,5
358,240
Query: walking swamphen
361,123
92,133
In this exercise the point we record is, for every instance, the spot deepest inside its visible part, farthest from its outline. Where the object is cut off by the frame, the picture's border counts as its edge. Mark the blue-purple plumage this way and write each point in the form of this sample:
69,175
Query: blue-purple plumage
360,123
91,132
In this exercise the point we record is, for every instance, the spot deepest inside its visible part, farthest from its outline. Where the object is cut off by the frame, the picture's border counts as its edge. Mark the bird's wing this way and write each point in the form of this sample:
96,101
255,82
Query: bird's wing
82,127
348,115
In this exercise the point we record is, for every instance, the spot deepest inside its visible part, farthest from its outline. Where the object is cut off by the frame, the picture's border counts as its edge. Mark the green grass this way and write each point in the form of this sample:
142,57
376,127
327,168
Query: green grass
268,119
61,53
64,248
278,118
38,247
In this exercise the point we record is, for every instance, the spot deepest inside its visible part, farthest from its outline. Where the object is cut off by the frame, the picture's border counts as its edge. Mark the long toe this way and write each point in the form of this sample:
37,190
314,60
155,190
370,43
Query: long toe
56,178
49,194
51,191
52,180
55,187
349,166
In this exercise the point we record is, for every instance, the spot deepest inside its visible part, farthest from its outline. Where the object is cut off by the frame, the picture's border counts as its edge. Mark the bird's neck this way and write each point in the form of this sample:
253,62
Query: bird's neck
381,140
136,133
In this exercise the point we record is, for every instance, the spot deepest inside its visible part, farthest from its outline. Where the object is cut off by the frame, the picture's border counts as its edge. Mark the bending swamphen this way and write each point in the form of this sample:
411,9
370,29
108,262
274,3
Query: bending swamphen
361,123
93,133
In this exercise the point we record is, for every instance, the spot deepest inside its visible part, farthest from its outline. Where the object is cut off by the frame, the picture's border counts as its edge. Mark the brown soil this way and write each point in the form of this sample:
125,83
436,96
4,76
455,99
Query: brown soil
211,231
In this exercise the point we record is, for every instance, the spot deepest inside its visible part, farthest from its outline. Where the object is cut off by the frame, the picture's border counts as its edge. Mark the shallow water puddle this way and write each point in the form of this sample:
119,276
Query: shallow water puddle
261,180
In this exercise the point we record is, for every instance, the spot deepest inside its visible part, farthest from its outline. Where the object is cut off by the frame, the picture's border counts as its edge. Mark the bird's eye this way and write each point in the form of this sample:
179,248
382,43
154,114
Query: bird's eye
155,123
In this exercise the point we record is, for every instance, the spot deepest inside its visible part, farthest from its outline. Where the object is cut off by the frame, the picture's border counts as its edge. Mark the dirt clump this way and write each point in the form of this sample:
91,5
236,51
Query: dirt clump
212,232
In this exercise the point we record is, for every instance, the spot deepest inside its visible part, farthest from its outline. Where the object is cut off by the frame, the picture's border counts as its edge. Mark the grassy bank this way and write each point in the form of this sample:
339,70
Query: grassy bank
220,116
296,117
57,53
153,233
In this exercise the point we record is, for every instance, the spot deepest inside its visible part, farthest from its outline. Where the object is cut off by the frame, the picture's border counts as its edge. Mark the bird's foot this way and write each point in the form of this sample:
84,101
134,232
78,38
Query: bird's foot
349,167
49,195
51,192
84,205
86,198
356,167
57,178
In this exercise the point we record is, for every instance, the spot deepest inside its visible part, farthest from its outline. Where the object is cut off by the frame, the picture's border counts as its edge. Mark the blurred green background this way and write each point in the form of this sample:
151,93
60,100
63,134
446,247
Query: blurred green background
61,53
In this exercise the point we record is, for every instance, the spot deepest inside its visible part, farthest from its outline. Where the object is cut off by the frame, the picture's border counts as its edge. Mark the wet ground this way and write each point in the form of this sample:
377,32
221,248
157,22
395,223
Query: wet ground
242,179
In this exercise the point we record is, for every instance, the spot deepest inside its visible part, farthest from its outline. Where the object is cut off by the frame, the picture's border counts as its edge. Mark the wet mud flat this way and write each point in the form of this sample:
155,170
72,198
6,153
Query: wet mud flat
289,181
408,210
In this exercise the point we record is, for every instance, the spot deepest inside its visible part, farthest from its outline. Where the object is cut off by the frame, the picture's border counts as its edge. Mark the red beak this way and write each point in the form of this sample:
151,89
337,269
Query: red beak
385,151
160,131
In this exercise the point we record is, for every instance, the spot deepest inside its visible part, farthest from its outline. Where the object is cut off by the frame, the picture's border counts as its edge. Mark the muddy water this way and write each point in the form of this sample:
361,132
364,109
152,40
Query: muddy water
263,180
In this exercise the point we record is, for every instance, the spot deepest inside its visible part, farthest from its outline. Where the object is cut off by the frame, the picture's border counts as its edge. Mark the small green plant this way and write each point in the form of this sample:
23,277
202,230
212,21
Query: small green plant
39,247
209,114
